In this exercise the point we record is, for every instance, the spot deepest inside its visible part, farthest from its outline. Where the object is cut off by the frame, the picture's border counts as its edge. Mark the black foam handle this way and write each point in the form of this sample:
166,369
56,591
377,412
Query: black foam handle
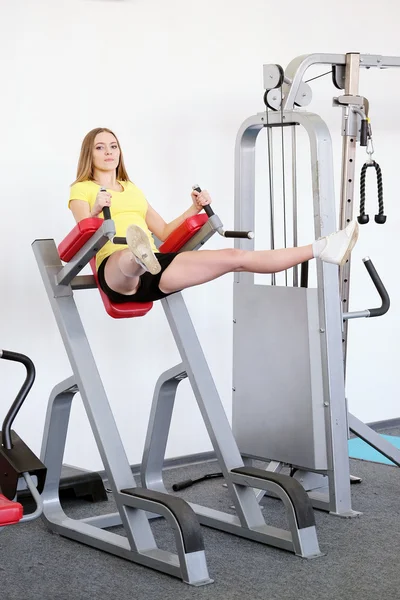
22,394
207,208
106,209
304,274
377,312
364,132
237,234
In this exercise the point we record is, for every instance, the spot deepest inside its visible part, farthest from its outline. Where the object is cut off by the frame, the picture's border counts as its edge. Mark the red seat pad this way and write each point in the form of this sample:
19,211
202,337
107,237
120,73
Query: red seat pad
78,237
124,310
10,512
182,234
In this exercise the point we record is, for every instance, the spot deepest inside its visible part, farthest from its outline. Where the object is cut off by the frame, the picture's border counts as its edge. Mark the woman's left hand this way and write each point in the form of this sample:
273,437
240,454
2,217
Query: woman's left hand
200,199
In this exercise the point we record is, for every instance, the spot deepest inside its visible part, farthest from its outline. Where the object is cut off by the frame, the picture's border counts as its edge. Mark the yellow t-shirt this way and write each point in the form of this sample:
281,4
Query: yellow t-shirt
127,207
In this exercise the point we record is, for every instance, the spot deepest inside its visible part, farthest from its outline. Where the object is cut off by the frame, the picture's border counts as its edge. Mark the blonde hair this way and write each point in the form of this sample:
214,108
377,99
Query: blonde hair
85,163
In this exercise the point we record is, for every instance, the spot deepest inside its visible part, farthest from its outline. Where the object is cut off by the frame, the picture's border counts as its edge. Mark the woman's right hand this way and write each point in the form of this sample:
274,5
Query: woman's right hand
102,199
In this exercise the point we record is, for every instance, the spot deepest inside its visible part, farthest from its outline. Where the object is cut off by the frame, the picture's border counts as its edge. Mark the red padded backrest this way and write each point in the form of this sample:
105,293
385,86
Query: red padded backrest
125,310
183,233
10,512
78,237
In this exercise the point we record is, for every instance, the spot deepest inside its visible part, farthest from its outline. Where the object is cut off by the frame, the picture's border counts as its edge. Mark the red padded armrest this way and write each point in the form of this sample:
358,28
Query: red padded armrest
78,237
183,233
125,310
84,230
10,512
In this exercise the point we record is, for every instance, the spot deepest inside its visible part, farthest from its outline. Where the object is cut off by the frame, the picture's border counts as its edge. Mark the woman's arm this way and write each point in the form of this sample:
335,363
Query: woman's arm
161,229
80,209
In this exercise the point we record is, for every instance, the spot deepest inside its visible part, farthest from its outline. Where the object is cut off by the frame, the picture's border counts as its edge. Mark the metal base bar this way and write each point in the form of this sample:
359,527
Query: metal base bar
154,558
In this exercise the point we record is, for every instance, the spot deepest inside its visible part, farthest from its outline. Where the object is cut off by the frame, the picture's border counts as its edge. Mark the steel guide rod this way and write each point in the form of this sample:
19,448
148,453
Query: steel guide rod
349,146
294,200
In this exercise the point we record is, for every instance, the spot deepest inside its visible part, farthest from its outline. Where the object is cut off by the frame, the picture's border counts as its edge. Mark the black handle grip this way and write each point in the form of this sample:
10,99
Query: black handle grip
207,208
364,132
377,312
22,394
182,485
106,209
304,274
238,234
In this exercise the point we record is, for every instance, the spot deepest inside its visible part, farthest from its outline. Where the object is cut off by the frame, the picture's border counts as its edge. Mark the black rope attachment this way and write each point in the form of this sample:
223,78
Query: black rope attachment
363,218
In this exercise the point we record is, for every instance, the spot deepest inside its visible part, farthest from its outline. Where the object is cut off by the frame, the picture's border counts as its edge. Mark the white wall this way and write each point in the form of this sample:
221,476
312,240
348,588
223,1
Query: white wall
175,80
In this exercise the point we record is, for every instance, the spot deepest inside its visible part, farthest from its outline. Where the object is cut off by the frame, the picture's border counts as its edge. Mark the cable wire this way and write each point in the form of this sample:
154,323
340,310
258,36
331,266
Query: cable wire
318,76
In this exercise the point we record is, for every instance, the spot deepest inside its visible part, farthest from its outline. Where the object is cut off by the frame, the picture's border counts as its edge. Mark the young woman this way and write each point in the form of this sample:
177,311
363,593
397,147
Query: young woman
137,272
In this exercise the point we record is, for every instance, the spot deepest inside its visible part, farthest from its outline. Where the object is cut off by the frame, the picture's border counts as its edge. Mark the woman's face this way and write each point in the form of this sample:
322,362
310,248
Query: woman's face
106,152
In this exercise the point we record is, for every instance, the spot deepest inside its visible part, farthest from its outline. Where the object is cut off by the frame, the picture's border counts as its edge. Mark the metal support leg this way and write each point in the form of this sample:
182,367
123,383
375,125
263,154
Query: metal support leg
373,438
159,426
138,545
250,522
53,443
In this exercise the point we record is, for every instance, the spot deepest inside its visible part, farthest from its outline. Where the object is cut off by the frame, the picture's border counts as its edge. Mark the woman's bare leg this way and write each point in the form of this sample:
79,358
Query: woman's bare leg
122,272
193,268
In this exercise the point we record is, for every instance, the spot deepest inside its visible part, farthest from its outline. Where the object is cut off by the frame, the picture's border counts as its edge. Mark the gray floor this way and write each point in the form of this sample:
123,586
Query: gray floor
360,562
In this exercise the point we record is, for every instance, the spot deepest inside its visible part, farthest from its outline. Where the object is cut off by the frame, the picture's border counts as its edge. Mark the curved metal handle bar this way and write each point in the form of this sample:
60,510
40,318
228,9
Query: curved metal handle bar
380,288
22,394
228,234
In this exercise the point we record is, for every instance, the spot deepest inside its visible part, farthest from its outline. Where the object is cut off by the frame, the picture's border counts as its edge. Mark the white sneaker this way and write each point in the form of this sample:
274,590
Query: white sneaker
139,244
340,244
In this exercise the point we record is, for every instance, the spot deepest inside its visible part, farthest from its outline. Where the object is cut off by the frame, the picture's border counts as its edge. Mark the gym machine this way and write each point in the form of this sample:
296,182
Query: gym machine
289,402
22,474
17,461
133,503
136,505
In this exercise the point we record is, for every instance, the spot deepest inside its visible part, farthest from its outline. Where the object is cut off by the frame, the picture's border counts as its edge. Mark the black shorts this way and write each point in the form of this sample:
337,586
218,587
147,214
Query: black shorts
148,290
